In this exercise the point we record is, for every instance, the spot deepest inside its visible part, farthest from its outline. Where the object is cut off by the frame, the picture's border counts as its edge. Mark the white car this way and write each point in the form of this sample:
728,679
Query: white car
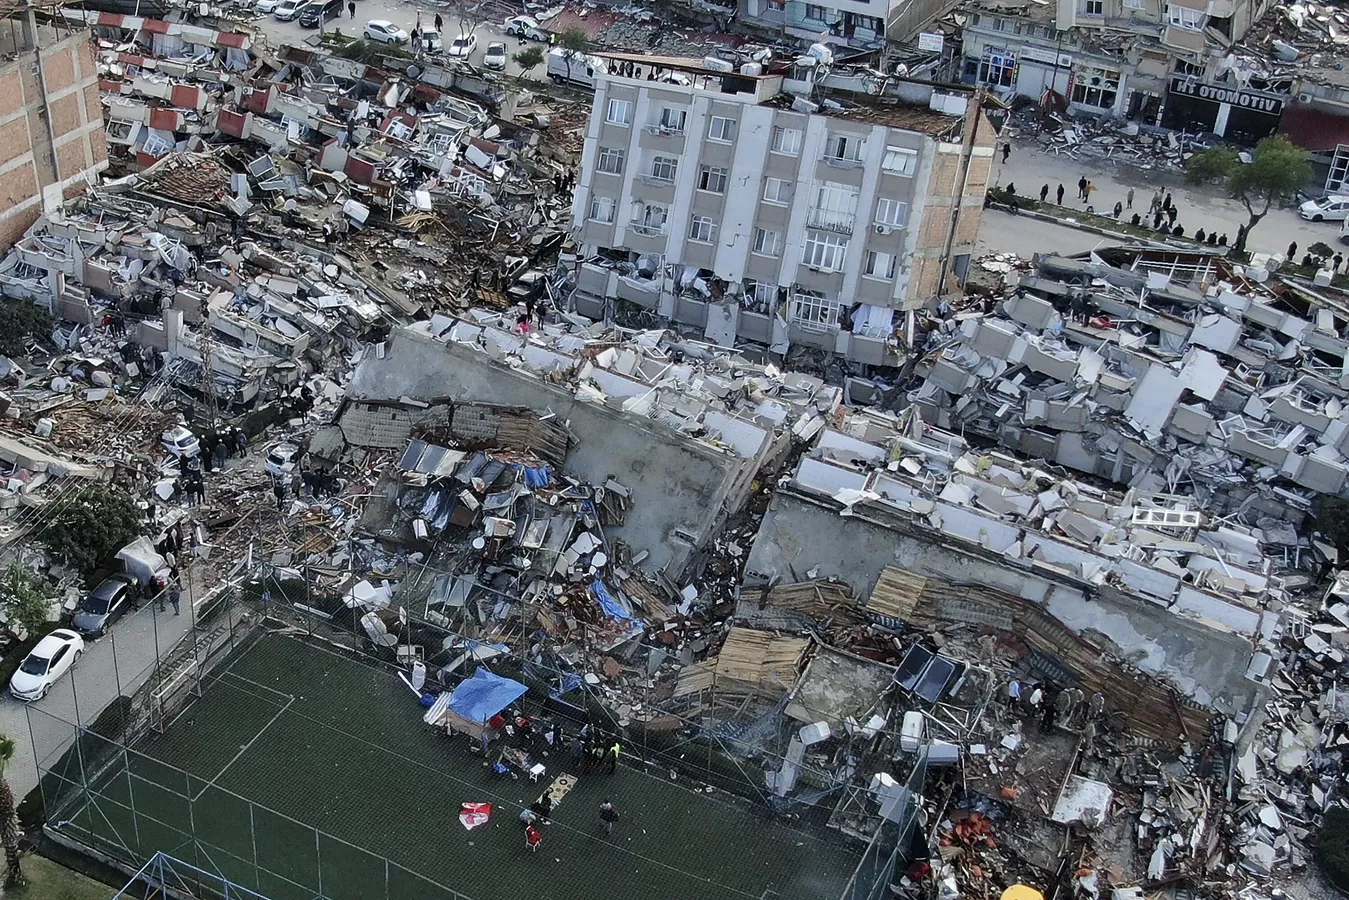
495,56
266,7
463,45
180,442
288,9
525,27
49,660
382,31
1334,208
281,460
432,44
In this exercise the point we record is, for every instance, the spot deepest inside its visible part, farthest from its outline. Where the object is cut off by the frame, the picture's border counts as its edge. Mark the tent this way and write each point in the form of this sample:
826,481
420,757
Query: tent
467,708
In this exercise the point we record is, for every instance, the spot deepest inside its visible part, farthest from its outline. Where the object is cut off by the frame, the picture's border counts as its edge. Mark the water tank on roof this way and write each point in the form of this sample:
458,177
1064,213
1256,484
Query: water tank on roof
717,64
821,52
751,69
802,105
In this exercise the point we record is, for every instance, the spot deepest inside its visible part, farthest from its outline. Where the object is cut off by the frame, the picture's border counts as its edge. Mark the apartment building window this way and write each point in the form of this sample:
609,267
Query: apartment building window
825,250
701,228
997,67
1093,7
892,213
776,190
1094,86
610,161
816,13
1183,17
761,297
880,265
440,143
767,243
157,146
787,141
775,5
835,207
663,168
811,308
649,218
620,112
899,161
712,178
721,129
602,209
1135,4
844,148
672,119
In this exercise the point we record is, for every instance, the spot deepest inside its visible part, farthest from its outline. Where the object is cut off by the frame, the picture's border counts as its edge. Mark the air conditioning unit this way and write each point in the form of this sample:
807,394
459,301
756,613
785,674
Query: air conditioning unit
882,229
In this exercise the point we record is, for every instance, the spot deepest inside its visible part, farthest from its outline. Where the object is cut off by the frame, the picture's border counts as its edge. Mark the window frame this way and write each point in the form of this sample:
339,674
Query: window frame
1176,16
869,265
667,162
683,115
824,250
823,311
621,104
757,243
699,224
810,7
613,209
707,173
783,183
712,126
910,158
780,131
843,145
612,153
900,206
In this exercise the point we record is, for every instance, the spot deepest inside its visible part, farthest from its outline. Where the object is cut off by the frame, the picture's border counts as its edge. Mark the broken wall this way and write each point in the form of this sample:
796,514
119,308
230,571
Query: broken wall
800,536
681,490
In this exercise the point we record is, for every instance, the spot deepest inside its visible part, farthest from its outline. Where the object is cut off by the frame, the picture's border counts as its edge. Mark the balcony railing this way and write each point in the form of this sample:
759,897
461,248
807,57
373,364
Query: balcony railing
829,220
667,130
647,230
655,180
843,162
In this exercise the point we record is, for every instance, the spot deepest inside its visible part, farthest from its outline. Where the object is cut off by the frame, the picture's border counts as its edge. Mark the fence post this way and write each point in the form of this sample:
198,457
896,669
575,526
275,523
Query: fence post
116,670
253,835
131,798
318,858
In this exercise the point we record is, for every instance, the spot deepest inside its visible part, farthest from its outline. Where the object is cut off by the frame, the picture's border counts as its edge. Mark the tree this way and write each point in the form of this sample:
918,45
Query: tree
467,16
20,323
90,528
1332,519
528,58
1332,847
25,597
1320,250
1278,170
9,819
572,41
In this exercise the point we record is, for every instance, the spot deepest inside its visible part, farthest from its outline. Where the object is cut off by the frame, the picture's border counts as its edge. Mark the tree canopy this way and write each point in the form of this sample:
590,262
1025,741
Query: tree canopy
91,526
1277,171
529,58
20,322
25,597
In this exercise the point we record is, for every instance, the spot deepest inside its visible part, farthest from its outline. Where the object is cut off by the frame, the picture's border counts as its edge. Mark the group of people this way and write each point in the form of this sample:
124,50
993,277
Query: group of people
539,812
1311,260
214,449
1068,707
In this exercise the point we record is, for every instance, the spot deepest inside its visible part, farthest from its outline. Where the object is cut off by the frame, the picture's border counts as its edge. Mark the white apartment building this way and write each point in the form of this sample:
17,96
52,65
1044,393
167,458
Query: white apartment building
724,202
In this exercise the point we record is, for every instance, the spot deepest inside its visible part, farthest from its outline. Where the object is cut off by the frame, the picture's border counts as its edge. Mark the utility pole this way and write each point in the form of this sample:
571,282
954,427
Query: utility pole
208,383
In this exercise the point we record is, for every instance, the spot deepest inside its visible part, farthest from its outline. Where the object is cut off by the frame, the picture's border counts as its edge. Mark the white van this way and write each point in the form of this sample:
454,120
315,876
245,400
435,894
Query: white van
581,71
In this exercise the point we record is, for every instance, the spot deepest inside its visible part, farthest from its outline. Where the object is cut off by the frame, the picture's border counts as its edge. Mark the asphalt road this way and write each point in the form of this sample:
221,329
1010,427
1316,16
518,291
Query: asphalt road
405,16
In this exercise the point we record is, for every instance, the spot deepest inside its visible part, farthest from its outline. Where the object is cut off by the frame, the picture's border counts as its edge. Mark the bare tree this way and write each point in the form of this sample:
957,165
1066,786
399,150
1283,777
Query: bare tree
468,17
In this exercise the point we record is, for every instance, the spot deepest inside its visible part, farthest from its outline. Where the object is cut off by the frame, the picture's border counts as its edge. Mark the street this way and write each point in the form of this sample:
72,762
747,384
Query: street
1029,167
404,15
1004,233
124,657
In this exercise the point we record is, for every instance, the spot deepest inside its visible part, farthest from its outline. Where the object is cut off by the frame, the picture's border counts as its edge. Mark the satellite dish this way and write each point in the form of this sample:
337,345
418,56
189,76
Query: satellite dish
414,71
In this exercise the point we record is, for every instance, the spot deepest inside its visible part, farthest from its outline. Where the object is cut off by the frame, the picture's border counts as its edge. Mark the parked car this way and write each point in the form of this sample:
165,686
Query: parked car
382,31
181,442
45,664
495,56
432,43
463,45
266,7
526,27
288,9
104,605
321,11
1334,208
282,459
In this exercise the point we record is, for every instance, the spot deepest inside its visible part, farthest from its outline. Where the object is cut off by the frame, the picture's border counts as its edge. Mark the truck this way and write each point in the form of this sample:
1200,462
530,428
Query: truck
568,66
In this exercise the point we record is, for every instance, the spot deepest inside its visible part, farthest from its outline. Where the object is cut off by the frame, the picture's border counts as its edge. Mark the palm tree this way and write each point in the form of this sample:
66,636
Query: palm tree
9,820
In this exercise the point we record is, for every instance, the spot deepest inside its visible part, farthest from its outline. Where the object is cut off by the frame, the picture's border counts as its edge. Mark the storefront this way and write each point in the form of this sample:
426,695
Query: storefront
1042,70
1240,115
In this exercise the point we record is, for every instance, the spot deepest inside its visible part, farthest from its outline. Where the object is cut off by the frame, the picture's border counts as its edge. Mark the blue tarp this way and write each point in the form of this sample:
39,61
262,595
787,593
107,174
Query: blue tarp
611,607
537,478
484,695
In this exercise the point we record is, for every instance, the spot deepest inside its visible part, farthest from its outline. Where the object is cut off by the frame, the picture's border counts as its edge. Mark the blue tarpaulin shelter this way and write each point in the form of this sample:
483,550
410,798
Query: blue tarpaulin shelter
484,695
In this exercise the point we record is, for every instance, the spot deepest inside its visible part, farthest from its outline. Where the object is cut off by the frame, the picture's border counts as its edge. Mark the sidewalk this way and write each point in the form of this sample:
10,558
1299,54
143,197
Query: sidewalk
1030,167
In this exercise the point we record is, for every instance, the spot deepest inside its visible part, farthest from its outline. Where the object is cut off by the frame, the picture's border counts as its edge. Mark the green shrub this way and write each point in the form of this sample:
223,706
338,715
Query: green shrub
1332,847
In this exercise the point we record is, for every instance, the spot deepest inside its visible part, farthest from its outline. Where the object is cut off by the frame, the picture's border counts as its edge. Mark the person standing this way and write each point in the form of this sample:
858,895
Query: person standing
1129,199
1166,204
1086,192
1119,208
175,597
1171,213
351,8
1059,195
1292,251
608,815
279,490
1082,188
1006,150
614,750
440,24
1044,193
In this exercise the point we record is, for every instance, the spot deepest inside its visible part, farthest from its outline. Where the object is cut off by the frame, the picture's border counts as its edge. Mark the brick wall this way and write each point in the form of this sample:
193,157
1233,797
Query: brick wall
11,93
71,159
17,185
14,141
60,69
66,115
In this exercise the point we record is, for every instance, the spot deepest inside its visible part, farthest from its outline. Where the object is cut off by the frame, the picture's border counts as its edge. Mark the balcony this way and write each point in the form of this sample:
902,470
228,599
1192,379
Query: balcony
831,220
843,162
647,230
655,180
663,130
